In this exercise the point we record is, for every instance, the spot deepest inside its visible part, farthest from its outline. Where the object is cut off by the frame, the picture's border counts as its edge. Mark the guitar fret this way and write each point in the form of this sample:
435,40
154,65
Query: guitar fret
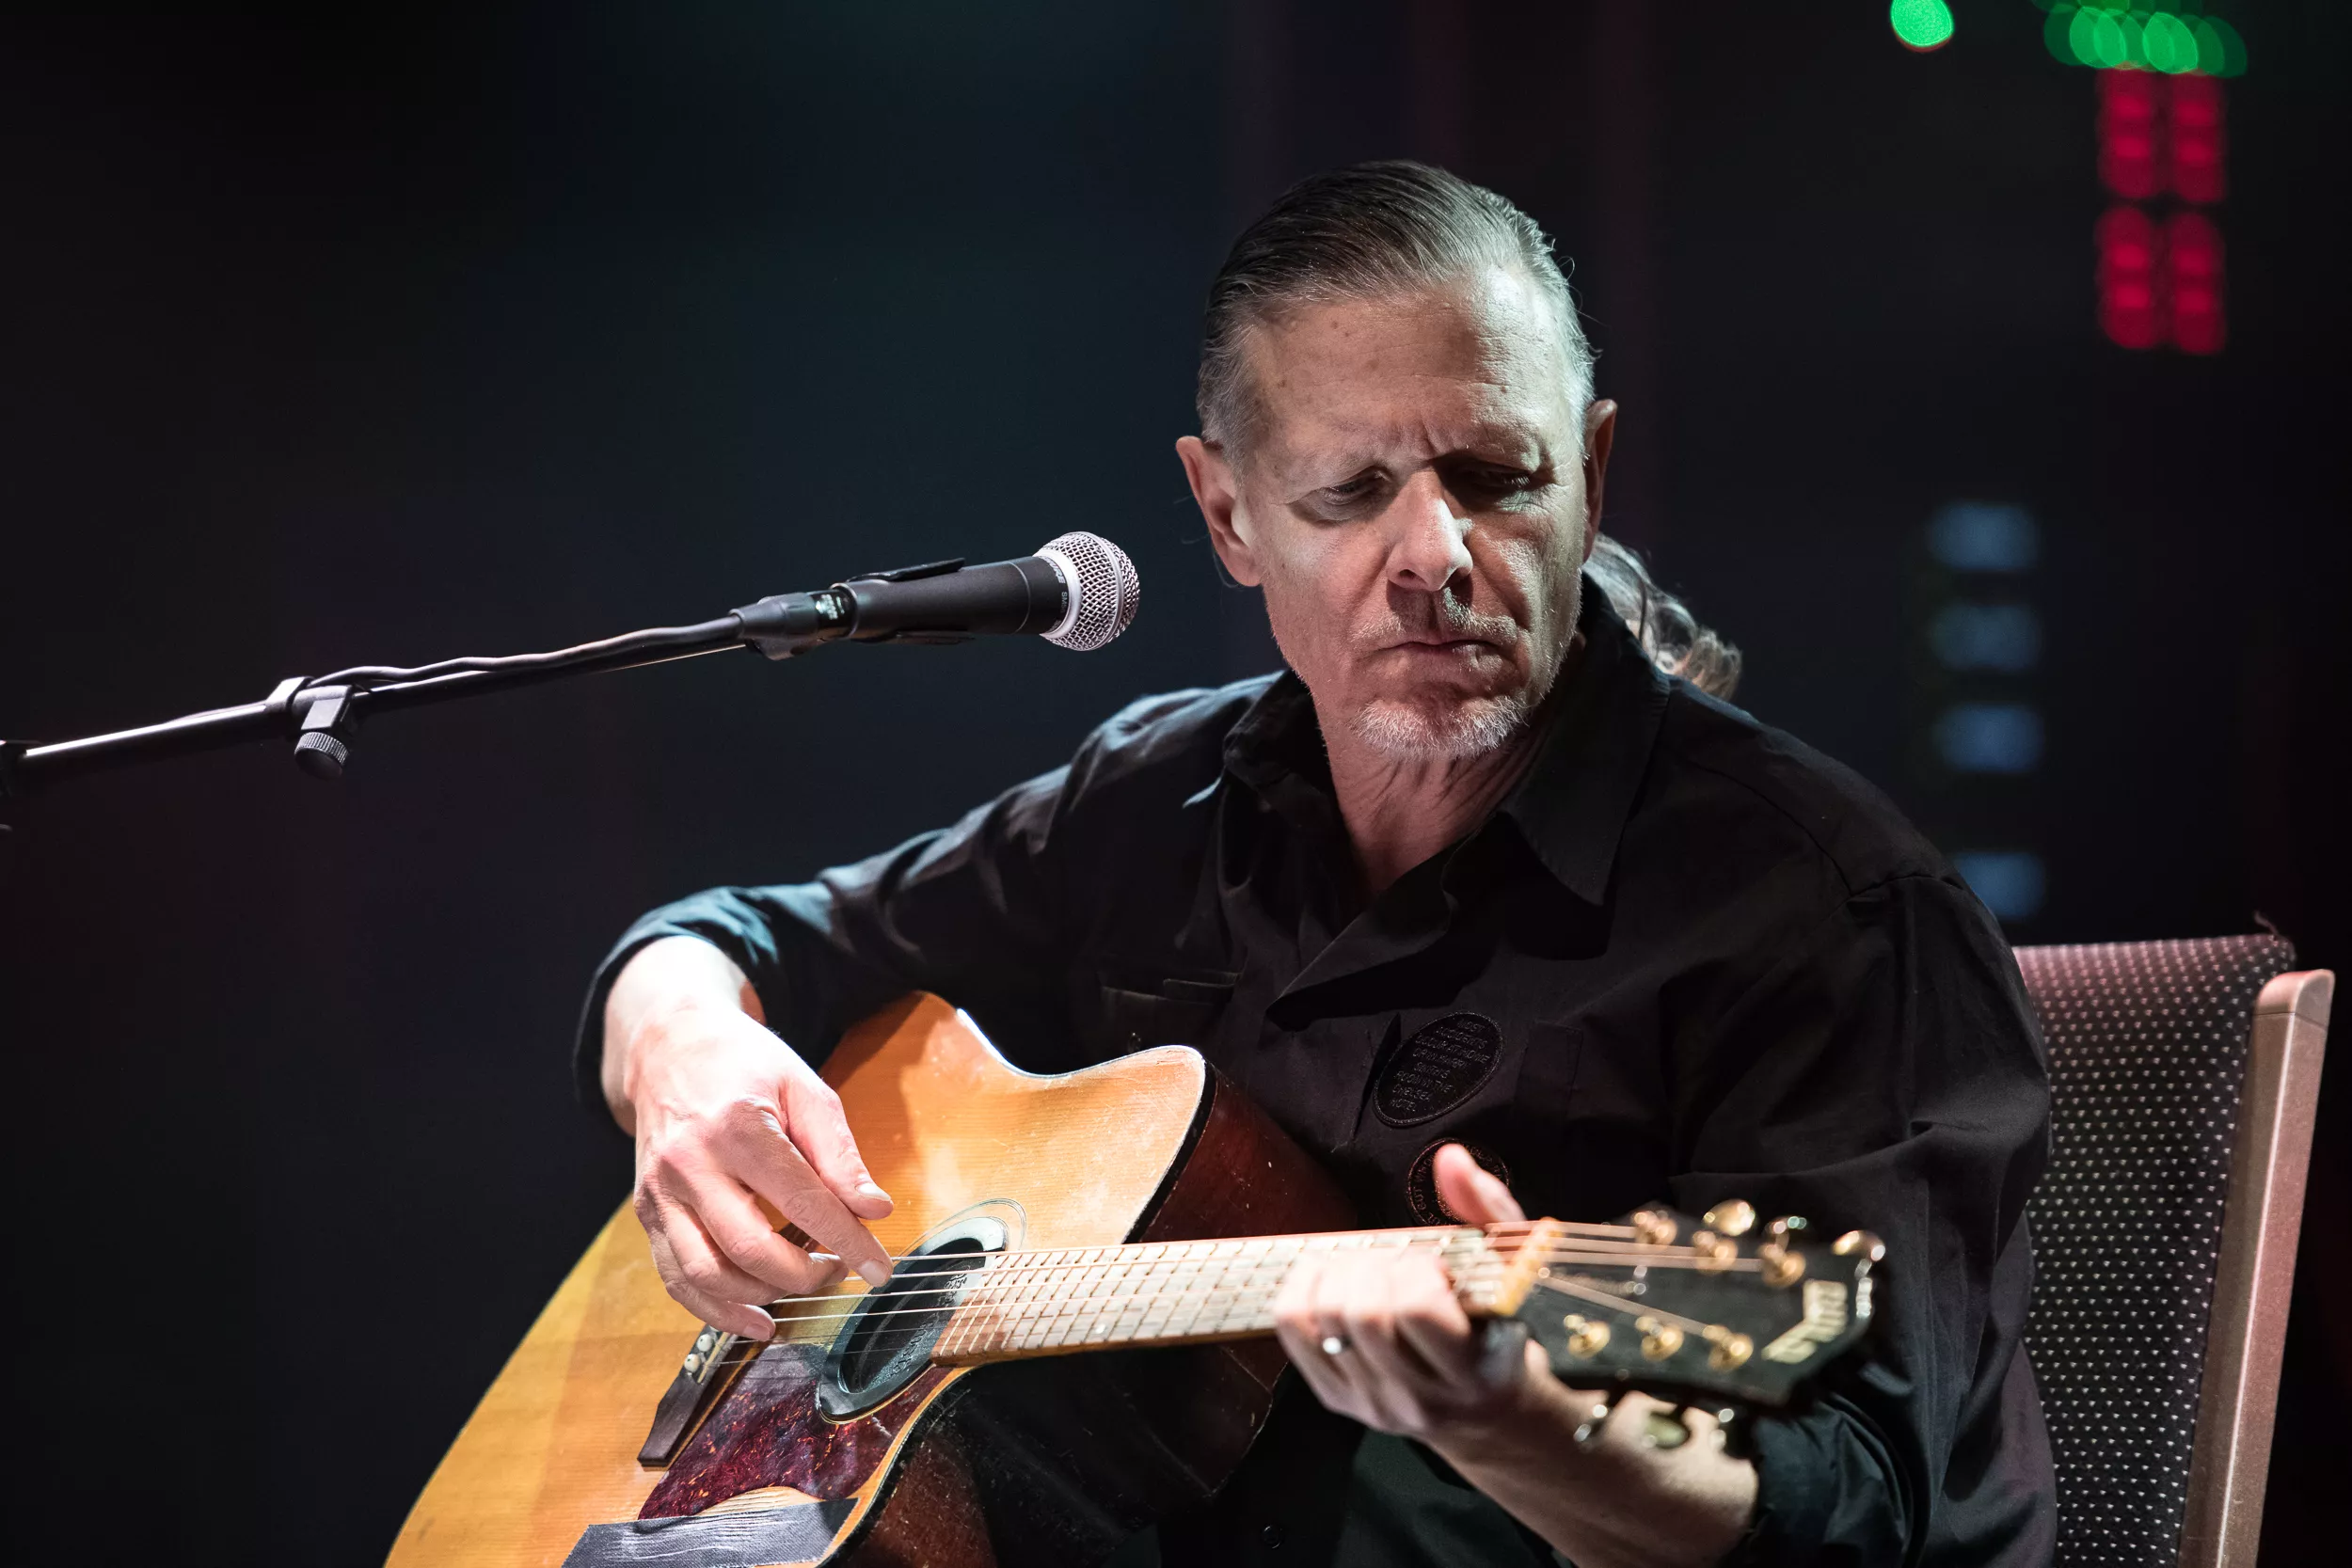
1154,1292
1065,1291
1076,1285
1146,1281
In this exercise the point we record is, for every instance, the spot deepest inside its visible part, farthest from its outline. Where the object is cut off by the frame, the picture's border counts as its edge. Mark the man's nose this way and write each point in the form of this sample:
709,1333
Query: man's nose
1429,545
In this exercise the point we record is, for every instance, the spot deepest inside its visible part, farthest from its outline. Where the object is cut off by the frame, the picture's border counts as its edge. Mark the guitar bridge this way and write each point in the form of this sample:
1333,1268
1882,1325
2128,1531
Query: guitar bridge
702,1377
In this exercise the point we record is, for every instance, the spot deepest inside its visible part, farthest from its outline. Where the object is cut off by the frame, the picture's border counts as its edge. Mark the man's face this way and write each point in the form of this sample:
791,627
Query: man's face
1417,505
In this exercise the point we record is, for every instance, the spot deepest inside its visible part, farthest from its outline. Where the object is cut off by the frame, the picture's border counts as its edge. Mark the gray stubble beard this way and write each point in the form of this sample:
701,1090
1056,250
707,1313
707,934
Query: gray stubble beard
1471,730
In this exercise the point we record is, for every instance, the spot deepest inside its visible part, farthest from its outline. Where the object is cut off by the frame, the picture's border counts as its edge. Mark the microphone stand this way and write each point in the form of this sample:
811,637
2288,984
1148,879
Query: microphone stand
322,716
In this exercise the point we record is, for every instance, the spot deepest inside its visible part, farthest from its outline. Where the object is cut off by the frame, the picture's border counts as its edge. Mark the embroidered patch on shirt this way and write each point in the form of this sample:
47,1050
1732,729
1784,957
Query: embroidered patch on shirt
1439,1067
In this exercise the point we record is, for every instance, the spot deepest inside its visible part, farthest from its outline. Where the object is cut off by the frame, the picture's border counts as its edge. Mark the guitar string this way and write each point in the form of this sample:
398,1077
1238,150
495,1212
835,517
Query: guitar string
1601,1234
1005,1264
1003,1283
1688,1325
1013,1311
1000,1335
1598,1298
1002,1289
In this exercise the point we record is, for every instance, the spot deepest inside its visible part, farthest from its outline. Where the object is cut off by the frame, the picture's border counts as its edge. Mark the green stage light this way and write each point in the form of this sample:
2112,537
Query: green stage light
1921,24
2220,50
2168,43
2108,35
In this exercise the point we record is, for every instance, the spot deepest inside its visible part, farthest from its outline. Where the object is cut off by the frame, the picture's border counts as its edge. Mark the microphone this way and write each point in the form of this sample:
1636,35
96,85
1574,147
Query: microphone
1077,591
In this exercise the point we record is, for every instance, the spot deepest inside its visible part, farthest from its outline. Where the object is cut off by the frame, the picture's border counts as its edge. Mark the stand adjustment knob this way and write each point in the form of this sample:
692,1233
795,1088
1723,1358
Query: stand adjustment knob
321,755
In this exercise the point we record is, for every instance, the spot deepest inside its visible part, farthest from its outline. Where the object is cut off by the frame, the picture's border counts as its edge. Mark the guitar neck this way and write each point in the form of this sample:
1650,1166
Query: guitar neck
1031,1304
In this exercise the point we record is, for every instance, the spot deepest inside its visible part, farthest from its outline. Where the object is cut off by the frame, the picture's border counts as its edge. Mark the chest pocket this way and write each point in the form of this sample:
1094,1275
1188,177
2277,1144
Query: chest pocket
1140,1009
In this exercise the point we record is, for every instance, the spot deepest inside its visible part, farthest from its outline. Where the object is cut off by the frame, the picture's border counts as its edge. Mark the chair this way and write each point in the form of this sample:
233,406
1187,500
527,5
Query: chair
2184,1076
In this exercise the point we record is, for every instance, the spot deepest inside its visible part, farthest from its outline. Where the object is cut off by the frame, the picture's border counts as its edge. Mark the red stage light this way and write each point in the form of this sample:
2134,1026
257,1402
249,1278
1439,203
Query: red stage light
2131,303
2198,173
2192,268
2130,110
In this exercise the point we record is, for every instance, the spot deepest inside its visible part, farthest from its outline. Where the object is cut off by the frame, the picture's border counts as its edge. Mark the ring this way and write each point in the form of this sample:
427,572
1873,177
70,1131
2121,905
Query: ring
1334,1344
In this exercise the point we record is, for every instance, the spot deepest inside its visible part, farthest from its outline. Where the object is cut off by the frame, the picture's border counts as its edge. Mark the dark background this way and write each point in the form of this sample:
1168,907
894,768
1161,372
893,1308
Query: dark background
332,339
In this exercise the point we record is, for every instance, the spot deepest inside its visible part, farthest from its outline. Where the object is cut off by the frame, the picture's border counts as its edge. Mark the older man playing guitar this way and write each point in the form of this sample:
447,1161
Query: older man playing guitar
1485,894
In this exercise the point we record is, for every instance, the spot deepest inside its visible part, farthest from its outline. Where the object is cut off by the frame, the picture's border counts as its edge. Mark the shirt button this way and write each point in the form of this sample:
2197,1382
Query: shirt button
1273,1534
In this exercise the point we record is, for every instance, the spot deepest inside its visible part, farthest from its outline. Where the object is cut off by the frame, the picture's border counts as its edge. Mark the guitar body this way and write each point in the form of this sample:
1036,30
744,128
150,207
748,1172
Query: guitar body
1032,1461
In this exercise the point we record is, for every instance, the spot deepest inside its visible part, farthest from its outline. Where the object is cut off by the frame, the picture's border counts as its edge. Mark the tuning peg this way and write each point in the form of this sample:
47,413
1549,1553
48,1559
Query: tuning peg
1586,1336
1732,1218
1659,1339
1781,1267
1861,1242
1727,1349
1656,1226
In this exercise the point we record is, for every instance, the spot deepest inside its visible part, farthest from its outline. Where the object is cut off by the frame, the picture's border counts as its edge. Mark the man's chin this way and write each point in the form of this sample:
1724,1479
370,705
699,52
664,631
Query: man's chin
1451,730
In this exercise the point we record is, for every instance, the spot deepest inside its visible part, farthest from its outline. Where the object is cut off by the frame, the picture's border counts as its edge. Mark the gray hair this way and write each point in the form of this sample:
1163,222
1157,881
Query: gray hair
1361,232
1676,640
1392,226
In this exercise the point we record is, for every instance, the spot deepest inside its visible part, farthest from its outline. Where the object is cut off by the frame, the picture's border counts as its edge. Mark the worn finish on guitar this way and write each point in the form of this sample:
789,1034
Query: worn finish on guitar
1097,1157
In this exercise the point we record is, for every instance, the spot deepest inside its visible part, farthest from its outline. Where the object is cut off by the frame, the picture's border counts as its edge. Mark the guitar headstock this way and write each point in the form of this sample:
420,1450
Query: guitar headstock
1722,1308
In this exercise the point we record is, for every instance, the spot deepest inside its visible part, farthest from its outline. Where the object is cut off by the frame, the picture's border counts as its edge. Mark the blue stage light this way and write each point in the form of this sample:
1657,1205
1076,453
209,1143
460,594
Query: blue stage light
1990,738
2011,882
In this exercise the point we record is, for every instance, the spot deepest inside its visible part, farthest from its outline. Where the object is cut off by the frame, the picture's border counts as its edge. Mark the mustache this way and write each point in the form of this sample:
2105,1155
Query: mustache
1441,614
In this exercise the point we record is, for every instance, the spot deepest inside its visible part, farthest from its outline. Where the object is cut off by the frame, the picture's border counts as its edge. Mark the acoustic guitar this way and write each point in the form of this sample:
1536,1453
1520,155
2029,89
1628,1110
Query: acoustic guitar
1141,1208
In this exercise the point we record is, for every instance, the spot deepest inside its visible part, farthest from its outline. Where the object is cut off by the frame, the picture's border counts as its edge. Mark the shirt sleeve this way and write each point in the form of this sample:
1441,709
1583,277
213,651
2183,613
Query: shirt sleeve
1888,1074
973,911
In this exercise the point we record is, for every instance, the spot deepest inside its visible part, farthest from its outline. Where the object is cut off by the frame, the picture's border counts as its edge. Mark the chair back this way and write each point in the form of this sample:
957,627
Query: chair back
2183,1078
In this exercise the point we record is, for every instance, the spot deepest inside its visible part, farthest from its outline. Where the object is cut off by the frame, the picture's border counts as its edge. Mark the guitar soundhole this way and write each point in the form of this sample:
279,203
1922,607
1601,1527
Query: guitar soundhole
887,1341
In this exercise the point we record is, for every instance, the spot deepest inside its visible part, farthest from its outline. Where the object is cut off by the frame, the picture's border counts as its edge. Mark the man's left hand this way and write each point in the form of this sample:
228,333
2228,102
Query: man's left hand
1380,1337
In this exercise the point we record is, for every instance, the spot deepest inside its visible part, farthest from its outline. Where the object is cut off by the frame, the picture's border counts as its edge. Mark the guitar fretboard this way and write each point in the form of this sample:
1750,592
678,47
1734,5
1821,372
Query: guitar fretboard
1024,1303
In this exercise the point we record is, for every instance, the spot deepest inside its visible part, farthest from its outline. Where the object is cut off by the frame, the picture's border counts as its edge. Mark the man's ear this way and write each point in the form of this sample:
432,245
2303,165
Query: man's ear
1218,490
1600,429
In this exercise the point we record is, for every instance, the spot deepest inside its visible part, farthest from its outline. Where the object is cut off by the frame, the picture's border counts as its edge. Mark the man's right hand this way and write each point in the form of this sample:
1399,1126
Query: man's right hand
727,1118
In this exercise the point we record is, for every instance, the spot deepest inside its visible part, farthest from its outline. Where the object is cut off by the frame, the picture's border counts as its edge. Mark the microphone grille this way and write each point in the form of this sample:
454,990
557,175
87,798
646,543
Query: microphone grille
1103,591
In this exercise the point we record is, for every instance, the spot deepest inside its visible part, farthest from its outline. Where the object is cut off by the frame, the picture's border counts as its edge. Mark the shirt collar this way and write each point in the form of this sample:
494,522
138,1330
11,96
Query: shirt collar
1571,807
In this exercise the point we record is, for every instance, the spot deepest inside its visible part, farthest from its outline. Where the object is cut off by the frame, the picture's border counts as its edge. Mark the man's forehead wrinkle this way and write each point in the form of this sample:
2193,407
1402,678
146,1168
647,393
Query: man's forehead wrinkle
1470,367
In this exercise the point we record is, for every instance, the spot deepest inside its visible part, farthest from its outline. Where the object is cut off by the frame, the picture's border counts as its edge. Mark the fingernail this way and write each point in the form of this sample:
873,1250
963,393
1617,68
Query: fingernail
876,1274
866,1189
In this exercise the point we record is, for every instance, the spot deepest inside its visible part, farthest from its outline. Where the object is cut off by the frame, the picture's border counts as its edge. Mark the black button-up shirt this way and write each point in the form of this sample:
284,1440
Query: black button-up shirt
1687,959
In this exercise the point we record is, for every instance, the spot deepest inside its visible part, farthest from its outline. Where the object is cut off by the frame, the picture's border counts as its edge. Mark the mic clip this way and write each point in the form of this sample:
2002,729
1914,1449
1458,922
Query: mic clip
908,574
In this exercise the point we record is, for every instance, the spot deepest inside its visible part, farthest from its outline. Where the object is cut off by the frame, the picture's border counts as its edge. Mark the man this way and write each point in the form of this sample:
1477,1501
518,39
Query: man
1691,958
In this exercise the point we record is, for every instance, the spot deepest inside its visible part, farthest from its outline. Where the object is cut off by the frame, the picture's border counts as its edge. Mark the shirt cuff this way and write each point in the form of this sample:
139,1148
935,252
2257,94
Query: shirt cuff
1826,1493
588,1041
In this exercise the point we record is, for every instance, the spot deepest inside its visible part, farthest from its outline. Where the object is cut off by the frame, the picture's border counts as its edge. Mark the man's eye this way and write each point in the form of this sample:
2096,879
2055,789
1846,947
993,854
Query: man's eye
1352,490
1499,480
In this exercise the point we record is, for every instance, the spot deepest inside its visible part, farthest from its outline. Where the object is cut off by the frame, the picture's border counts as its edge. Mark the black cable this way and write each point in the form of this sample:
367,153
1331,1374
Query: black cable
628,643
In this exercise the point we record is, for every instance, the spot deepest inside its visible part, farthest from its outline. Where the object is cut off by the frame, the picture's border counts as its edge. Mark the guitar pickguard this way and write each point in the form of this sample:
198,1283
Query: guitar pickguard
767,1430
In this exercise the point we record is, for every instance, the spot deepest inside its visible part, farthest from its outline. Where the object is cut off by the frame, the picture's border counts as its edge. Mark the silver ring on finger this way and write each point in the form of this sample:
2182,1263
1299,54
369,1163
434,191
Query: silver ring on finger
1334,1345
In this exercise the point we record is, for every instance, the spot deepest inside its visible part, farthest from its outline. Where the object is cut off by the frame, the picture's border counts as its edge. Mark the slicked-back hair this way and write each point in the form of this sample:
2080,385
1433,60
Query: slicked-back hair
1367,231
1373,230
